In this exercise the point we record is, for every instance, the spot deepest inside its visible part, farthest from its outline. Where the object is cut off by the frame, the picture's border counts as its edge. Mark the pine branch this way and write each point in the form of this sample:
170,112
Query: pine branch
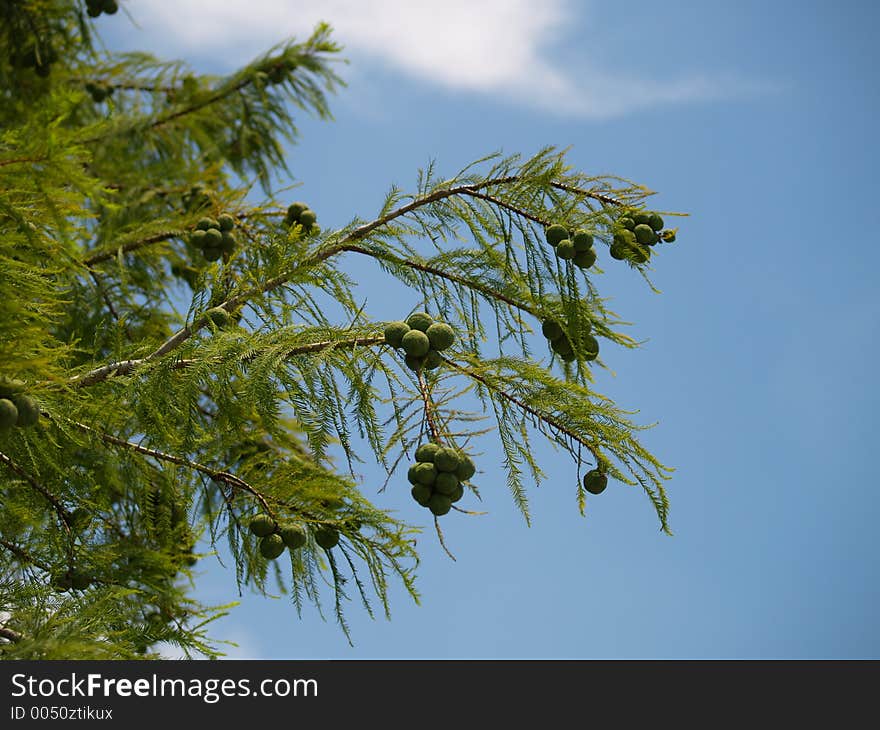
10,635
131,246
486,291
126,367
216,475
63,515
429,409
24,555
543,417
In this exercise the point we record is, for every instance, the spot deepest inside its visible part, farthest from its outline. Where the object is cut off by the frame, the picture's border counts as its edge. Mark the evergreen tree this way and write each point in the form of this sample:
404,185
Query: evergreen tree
185,363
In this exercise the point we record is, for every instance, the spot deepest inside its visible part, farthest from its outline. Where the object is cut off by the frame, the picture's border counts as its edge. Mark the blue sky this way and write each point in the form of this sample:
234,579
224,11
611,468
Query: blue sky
757,119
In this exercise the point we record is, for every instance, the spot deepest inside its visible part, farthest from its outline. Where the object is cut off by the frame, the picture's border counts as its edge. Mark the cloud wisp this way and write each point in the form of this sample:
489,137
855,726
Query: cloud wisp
499,48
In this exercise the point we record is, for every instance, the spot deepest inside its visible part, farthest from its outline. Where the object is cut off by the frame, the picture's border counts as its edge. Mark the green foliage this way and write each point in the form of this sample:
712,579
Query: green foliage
186,385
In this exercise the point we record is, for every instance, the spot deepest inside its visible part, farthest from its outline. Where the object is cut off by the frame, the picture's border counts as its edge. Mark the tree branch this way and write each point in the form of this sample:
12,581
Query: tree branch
10,635
126,367
345,244
131,246
543,417
63,516
216,475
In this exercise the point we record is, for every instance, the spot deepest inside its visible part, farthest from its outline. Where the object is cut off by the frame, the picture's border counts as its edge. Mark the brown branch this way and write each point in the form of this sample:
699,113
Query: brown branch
216,475
16,160
22,554
440,536
131,246
10,635
543,417
345,244
507,206
429,409
486,291
126,367
601,197
63,515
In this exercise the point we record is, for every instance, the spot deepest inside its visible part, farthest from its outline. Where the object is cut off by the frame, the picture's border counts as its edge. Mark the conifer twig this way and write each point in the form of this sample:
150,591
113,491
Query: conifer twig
429,409
440,536
24,555
63,515
217,475
486,291
10,635
543,417
346,244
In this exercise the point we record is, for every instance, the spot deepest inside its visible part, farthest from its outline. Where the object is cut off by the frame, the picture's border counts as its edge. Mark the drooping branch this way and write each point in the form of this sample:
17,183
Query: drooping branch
126,367
486,291
63,516
217,475
10,635
347,243
535,413
132,246
24,555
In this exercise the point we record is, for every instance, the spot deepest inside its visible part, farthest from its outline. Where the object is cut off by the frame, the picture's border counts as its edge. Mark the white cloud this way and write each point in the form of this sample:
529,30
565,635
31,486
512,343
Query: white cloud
497,47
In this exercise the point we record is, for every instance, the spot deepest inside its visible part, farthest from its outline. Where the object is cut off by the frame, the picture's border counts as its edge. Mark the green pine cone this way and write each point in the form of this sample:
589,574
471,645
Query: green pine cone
426,473
420,321
8,413
439,504
562,347
626,222
197,238
433,360
590,346
565,249
228,242
295,210
440,335
668,236
415,343
271,546
457,494
293,535
655,221
595,481
551,330
555,233
446,483
414,363
219,316
426,452
212,253
466,468
205,223
28,410
307,218
421,494
411,474
213,238
642,218
327,537
394,332
447,459
582,241
262,525
11,386
618,251
645,234
226,222
585,259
